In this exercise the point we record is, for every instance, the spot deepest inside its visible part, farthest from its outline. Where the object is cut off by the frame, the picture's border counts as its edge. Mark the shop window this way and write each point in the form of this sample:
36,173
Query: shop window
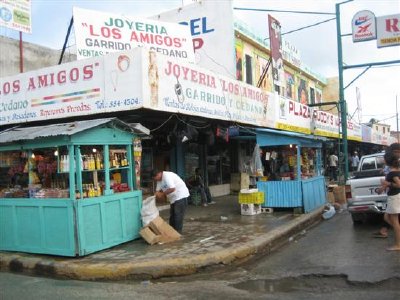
249,69
312,96
41,173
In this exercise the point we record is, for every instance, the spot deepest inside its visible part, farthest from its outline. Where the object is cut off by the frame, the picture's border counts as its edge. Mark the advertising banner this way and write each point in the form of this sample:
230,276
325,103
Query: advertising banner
363,26
388,28
85,87
98,33
176,86
16,14
276,51
213,34
297,117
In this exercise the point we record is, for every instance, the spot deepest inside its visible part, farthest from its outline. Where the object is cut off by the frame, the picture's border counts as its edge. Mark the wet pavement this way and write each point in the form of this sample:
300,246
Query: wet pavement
214,235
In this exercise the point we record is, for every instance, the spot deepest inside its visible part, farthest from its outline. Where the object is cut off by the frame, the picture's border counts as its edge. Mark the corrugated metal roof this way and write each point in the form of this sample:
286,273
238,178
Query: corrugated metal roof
63,129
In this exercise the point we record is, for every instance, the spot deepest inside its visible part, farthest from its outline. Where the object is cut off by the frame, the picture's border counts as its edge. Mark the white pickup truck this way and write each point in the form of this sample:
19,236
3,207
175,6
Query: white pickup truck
362,189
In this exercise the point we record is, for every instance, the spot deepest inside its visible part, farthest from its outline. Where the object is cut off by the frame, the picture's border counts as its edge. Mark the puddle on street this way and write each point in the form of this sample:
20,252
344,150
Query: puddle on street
310,283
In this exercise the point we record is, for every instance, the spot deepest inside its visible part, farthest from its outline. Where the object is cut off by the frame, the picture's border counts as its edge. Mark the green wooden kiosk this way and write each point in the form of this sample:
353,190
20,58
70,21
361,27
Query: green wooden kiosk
69,189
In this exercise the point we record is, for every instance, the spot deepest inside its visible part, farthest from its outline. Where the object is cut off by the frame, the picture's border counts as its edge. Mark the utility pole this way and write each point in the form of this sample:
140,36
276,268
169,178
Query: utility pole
397,122
342,101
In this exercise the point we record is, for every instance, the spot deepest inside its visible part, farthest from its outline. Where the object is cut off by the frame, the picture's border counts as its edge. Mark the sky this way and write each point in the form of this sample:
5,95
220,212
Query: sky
379,86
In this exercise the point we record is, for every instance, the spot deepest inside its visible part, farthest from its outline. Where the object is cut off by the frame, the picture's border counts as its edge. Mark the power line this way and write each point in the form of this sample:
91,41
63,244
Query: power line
285,11
305,27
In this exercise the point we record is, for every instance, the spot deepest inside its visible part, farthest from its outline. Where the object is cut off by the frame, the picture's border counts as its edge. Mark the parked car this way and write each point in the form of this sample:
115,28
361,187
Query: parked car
362,189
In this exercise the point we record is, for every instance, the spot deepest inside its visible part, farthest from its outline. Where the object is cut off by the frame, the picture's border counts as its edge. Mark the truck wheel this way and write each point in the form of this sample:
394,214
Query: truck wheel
357,218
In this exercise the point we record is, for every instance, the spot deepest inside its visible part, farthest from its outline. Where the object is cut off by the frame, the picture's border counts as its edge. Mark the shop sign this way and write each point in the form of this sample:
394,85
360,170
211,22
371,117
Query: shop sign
213,36
98,33
16,15
363,26
91,86
291,53
174,86
297,117
388,31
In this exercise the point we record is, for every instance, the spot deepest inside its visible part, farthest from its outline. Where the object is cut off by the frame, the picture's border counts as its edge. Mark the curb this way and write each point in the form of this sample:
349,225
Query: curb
156,268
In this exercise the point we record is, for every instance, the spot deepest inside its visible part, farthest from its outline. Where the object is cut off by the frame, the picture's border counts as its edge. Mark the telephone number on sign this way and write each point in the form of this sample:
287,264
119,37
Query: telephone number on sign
117,103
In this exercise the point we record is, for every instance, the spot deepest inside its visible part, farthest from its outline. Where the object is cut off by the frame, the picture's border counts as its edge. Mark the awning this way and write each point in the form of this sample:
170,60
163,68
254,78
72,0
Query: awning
271,137
66,129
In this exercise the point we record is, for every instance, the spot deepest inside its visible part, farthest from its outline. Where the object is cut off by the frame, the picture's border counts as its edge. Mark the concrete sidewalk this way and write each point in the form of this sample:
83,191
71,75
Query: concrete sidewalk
212,235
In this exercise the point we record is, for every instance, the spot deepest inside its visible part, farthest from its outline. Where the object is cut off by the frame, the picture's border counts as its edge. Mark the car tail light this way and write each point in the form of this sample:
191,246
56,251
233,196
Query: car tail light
347,190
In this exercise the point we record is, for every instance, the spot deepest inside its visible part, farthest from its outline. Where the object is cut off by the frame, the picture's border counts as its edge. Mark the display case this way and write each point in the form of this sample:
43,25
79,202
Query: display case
69,189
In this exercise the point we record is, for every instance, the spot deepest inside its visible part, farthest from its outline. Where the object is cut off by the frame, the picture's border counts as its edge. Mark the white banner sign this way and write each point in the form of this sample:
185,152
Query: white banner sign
213,34
98,33
297,117
175,86
91,86
16,14
388,31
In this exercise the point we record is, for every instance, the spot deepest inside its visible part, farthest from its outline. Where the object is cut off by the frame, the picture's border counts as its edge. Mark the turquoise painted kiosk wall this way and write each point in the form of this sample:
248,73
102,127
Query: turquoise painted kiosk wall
70,226
308,194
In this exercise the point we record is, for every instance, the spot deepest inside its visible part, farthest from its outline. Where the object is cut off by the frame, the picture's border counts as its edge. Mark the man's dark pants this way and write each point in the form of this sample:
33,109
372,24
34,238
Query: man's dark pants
177,212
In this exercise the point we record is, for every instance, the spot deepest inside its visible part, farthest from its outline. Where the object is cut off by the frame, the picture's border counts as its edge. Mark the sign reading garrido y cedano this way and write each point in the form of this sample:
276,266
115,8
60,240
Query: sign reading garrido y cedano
98,33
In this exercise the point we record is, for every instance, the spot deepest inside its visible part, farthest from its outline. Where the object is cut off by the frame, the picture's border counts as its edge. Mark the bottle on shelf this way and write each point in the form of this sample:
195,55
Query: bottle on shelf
98,162
117,160
66,163
85,162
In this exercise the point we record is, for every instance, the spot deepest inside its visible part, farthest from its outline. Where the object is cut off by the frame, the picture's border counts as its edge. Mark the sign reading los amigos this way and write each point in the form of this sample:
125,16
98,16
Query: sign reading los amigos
99,33
363,26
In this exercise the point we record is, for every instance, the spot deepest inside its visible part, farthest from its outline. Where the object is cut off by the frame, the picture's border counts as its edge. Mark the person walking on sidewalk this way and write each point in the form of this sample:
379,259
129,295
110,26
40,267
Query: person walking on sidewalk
333,164
355,160
176,193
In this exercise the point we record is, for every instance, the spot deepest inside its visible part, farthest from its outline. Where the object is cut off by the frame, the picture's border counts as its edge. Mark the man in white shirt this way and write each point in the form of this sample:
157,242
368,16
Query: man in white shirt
355,160
333,164
176,192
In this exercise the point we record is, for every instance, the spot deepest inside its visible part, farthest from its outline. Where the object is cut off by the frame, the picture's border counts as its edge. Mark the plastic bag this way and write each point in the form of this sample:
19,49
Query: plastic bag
256,166
329,212
149,210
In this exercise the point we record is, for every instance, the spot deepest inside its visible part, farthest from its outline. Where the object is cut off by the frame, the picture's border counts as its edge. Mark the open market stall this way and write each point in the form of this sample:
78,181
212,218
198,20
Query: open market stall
69,189
292,164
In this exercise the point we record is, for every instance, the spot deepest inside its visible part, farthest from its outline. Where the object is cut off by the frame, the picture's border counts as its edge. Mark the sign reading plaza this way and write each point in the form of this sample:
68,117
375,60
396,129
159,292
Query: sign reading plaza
98,33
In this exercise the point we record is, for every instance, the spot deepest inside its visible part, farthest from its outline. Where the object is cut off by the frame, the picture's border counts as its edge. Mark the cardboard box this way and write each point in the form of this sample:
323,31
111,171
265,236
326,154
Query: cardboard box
331,197
339,193
149,235
159,231
250,209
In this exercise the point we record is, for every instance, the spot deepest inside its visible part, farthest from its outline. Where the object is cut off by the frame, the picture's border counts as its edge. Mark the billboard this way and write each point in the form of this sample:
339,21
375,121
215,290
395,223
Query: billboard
178,87
212,34
276,51
91,86
99,33
388,31
16,15
294,116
